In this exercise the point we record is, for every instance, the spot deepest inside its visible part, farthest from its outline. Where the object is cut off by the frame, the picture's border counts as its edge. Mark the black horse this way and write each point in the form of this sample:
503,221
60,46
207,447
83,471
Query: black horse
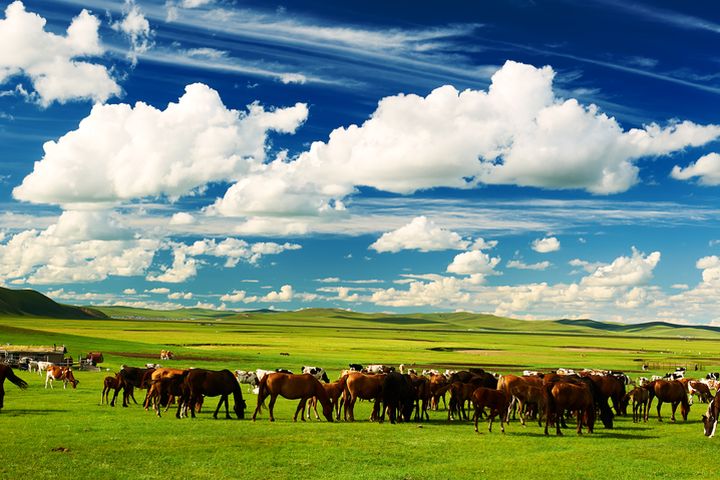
6,372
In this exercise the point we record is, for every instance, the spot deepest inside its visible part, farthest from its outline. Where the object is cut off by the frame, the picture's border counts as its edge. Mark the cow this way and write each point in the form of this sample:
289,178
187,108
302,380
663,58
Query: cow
696,387
378,369
60,373
283,370
166,355
247,378
430,372
316,372
355,367
676,375
43,366
713,376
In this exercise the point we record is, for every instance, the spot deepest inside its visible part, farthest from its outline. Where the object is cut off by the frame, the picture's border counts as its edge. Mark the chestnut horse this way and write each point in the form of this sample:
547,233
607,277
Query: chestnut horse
710,419
671,391
292,387
110,384
640,398
211,383
6,372
563,396
497,400
334,391
366,387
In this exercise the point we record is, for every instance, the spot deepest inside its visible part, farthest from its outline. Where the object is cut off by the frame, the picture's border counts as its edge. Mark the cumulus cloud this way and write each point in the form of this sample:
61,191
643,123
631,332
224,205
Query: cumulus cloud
517,132
182,218
625,271
233,250
420,234
180,296
80,247
589,267
159,290
50,61
519,264
130,291
120,152
237,296
284,295
136,28
546,245
482,244
474,262
706,168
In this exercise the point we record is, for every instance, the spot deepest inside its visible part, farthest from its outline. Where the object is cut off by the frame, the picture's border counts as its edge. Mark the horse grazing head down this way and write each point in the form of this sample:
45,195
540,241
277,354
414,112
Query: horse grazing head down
710,419
239,408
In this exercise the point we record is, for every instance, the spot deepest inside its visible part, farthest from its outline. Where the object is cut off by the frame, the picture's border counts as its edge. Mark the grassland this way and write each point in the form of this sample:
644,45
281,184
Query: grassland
68,434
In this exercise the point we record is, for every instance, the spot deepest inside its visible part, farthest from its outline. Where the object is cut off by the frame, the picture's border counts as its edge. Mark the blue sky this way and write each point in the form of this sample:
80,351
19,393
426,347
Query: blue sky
529,159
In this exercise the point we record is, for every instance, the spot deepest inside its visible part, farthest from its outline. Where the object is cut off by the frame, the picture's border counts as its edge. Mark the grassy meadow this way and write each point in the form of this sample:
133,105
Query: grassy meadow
68,434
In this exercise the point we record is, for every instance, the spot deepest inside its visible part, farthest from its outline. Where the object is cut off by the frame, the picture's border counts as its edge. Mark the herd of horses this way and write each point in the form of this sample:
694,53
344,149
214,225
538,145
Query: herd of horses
554,397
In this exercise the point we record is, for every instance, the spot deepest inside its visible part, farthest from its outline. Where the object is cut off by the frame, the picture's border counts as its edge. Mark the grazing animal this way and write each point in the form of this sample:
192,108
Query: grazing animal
164,389
43,366
640,398
525,391
248,378
210,383
496,400
398,397
696,387
710,419
109,383
7,372
713,376
671,391
166,355
130,377
293,387
64,374
355,367
317,372
562,396
611,387
421,385
154,394
437,382
283,370
378,369
363,386
335,391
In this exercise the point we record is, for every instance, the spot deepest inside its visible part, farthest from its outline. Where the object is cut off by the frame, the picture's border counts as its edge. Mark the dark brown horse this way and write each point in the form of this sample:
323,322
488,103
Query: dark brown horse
128,378
496,400
640,398
710,419
292,387
672,392
562,396
366,387
6,372
210,383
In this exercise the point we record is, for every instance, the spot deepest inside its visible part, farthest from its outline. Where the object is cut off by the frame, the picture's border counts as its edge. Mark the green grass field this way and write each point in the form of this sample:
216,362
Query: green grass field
68,434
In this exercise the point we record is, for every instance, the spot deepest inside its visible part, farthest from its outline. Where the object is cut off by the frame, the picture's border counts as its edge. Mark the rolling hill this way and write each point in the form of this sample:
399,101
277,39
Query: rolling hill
32,303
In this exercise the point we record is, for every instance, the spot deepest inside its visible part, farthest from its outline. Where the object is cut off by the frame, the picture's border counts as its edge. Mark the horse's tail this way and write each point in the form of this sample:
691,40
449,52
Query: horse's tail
549,399
15,379
262,392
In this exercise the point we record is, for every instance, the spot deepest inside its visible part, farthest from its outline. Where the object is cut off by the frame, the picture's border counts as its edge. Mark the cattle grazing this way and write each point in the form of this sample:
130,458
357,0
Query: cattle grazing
676,375
130,377
64,374
362,386
496,400
673,392
355,367
247,378
316,372
710,419
562,396
7,372
696,387
43,366
378,369
292,387
713,376
210,383
398,397
283,370
640,398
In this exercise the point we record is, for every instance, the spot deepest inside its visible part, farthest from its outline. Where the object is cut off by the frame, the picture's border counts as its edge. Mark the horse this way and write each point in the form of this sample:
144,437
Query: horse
130,377
497,400
526,392
399,397
7,372
437,381
165,389
111,383
601,401
334,391
367,387
640,398
613,388
563,396
211,383
292,387
670,391
153,394
710,419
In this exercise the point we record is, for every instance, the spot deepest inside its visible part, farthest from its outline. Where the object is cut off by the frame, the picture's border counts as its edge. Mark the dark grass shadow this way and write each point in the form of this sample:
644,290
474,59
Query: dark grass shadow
25,412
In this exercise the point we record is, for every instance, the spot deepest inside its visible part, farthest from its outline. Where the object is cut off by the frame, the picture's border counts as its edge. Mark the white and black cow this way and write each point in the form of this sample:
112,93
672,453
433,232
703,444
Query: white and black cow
248,378
676,375
316,372
377,368
713,376
355,367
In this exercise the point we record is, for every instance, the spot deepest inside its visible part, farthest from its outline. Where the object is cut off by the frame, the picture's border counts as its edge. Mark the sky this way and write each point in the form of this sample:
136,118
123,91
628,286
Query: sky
531,159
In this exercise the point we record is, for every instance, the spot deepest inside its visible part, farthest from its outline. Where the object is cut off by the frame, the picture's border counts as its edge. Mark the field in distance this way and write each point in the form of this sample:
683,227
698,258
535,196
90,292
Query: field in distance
68,434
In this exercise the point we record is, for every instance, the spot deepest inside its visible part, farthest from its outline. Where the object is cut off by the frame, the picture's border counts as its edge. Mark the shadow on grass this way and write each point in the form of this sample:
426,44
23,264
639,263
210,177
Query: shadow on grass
24,412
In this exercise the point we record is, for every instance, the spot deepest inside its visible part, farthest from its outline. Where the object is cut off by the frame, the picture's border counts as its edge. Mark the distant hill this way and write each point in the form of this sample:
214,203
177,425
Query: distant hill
18,303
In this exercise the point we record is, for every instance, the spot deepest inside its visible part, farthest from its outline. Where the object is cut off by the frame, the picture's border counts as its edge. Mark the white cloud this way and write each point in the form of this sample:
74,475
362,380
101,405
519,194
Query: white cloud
182,268
474,262
446,290
284,295
519,264
80,247
546,245
420,234
130,291
345,295
589,267
237,296
625,271
482,244
136,28
50,60
180,296
161,291
182,218
121,152
707,168
517,132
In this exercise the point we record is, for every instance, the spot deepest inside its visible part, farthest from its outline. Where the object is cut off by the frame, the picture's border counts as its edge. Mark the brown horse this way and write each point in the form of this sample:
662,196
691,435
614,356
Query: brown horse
563,396
613,388
671,391
710,419
366,387
436,383
497,400
211,383
153,394
292,387
640,398
6,372
128,378
334,391
110,384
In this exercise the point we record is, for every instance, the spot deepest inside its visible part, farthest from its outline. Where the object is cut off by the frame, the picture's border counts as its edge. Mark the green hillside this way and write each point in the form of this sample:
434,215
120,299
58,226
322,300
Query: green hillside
32,303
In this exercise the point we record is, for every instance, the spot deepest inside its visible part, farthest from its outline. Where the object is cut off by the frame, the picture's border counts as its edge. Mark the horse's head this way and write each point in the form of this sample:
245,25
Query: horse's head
606,416
328,411
710,421
239,408
623,404
684,410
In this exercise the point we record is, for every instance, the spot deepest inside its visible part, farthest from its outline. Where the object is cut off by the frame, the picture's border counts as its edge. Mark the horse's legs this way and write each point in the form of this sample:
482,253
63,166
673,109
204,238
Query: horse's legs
559,414
674,407
300,408
222,398
580,414
658,408
476,415
491,418
271,405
